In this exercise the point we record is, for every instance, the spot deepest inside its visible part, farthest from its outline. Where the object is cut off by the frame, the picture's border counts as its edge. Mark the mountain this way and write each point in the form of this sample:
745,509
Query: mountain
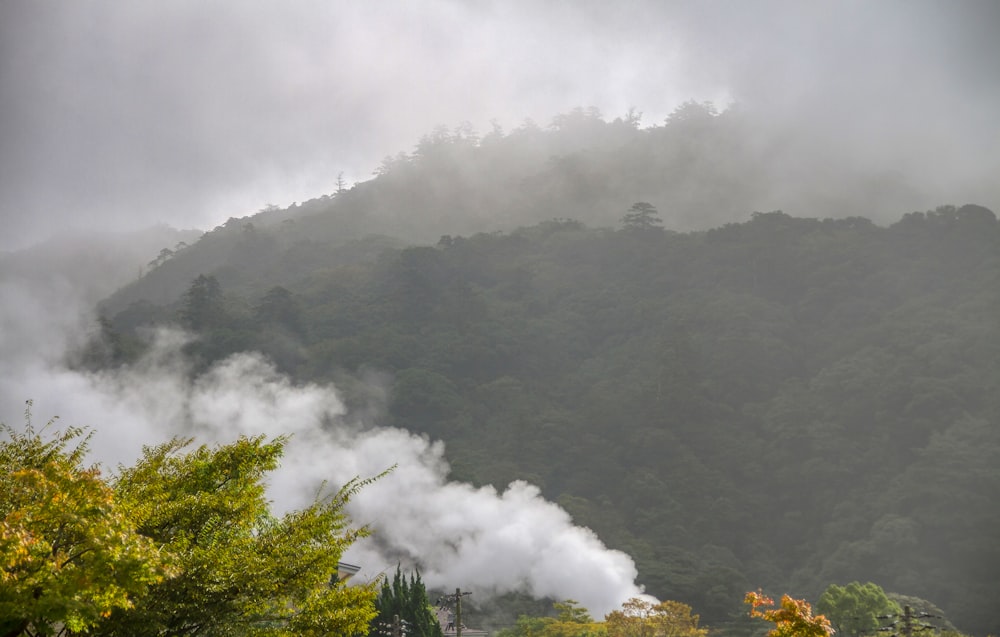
780,401
700,169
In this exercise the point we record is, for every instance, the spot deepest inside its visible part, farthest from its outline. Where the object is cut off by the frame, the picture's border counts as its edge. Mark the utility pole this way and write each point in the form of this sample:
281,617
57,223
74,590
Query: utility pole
457,600
907,621
908,628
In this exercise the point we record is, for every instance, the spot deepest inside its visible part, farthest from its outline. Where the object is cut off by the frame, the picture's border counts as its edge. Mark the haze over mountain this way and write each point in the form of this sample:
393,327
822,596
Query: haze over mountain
184,113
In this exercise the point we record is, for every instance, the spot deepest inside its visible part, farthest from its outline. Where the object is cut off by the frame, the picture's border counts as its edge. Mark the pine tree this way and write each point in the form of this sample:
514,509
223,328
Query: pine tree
642,217
203,304
406,599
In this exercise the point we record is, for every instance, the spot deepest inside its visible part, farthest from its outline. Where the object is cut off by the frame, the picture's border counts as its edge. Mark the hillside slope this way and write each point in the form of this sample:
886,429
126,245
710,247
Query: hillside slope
786,402
700,169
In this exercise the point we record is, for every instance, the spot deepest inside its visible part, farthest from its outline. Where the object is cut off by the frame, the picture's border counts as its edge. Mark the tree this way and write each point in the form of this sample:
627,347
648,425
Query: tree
203,304
109,347
278,307
641,217
238,569
632,118
693,112
793,618
165,255
854,609
407,600
642,618
526,626
182,543
571,621
69,554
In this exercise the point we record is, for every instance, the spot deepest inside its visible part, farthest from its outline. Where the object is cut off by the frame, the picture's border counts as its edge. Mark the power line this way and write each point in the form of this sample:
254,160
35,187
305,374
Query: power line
909,625
455,599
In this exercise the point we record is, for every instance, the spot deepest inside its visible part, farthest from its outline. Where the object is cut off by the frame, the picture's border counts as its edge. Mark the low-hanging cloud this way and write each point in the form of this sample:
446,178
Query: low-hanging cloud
121,114
458,535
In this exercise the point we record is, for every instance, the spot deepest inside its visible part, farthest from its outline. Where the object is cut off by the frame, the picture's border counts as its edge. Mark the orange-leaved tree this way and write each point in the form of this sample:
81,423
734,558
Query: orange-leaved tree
792,617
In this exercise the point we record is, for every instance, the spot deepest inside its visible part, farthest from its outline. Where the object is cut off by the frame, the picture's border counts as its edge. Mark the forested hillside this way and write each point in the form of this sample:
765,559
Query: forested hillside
785,402
700,168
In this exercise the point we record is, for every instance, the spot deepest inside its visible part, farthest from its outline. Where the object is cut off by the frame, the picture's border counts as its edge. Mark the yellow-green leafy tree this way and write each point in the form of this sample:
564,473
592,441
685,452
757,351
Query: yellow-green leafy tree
181,543
239,569
69,554
643,618
571,620
791,618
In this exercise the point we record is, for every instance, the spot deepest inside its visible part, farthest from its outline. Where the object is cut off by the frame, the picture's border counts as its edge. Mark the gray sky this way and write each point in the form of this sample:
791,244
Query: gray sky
123,114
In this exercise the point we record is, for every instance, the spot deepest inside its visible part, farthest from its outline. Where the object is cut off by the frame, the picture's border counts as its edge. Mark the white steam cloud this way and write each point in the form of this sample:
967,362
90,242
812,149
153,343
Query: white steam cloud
458,535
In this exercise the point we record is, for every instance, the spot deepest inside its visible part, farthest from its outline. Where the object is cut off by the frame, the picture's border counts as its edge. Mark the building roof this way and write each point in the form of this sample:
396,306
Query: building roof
345,570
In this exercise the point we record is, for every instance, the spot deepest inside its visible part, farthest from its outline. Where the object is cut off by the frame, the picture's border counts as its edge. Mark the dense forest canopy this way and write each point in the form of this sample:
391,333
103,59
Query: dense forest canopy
700,168
787,401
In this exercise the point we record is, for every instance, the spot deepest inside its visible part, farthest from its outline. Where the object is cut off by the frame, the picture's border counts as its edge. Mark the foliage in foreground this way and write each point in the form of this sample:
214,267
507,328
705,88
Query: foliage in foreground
69,555
636,618
182,543
791,618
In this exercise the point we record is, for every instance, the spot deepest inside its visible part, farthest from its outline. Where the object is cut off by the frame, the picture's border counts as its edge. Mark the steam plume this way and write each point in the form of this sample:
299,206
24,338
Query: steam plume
459,536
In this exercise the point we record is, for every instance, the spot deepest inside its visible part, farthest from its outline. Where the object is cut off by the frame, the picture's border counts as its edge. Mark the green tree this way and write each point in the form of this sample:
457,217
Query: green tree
407,600
165,255
278,307
69,554
570,611
203,307
641,217
691,111
854,609
239,569
571,621
109,347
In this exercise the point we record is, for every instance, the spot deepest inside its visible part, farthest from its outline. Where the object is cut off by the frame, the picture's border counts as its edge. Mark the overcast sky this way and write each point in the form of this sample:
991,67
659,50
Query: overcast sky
125,114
